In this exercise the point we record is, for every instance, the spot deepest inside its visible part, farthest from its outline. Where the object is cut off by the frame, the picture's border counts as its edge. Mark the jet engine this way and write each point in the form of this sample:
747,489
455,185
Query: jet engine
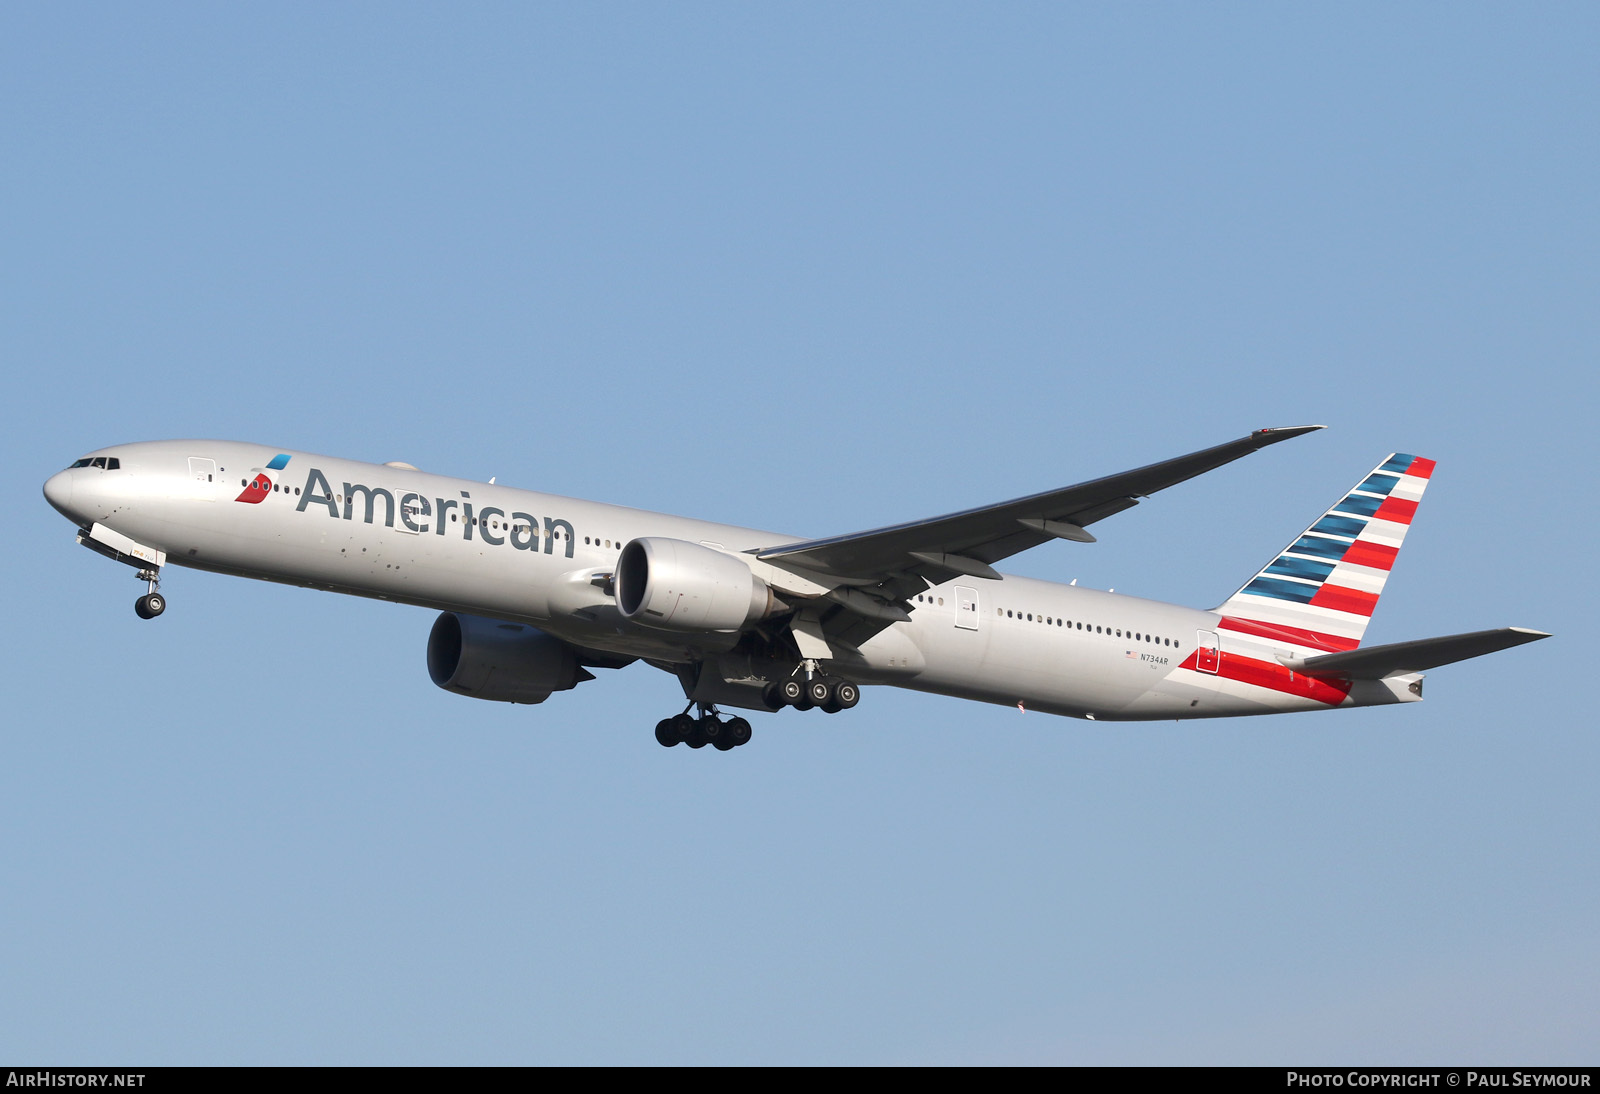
505,662
674,585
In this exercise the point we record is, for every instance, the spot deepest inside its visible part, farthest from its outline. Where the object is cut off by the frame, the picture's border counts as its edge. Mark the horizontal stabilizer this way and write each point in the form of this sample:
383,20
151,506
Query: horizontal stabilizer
1397,658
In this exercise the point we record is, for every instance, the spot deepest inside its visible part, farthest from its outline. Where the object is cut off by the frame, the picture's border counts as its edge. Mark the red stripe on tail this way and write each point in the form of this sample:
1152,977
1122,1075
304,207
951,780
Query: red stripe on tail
1364,552
1341,599
1294,636
1398,510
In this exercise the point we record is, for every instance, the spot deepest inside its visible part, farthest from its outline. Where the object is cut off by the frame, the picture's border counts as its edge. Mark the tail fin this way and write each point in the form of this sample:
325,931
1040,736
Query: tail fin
1320,591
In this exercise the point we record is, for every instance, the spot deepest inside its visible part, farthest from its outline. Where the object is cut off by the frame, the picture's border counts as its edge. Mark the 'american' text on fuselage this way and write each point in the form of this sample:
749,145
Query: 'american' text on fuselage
419,515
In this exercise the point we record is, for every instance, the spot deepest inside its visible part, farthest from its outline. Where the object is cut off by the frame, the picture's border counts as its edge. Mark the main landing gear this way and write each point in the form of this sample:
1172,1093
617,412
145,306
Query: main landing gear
806,688
814,690
152,603
707,729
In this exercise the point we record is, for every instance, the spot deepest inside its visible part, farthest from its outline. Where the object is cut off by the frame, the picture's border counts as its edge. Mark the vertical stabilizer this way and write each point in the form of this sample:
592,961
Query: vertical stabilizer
1320,591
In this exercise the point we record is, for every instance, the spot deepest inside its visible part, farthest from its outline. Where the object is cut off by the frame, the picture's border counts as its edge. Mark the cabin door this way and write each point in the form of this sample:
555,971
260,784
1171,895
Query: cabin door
966,608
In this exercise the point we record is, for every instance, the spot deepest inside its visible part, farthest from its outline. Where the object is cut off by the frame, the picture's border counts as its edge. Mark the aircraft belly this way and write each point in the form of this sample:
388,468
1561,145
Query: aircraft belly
1047,673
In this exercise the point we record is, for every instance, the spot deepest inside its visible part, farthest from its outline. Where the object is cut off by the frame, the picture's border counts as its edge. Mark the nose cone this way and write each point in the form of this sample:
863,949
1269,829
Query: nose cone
58,492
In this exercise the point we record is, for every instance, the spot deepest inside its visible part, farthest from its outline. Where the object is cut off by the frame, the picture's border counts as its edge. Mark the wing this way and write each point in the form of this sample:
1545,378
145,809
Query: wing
967,543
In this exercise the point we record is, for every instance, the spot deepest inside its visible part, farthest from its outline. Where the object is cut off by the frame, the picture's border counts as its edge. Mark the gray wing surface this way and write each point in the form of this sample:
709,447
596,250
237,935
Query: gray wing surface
1377,662
968,542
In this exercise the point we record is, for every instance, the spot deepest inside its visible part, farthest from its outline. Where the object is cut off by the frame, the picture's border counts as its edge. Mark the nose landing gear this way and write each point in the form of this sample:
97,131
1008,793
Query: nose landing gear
152,603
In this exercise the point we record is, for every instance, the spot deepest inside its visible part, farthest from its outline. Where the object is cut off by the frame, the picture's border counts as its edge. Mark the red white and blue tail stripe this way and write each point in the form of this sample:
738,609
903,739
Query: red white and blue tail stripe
1320,591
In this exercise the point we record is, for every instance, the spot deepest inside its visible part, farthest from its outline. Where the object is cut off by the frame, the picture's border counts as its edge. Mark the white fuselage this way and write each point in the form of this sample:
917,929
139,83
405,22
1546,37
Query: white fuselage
396,533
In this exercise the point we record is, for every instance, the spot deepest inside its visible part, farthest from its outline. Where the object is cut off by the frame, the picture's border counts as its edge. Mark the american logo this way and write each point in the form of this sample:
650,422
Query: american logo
260,484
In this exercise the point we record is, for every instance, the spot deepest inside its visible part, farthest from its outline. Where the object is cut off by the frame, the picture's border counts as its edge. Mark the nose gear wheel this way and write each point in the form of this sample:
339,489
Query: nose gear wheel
152,603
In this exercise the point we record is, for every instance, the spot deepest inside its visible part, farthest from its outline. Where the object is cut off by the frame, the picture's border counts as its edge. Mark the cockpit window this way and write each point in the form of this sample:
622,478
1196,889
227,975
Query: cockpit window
108,463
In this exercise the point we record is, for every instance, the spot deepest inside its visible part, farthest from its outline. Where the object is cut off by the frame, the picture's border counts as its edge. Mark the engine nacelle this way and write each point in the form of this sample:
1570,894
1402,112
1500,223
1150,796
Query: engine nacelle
505,662
674,585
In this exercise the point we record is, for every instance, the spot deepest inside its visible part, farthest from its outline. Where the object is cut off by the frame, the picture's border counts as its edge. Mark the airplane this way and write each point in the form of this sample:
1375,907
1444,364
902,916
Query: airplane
535,590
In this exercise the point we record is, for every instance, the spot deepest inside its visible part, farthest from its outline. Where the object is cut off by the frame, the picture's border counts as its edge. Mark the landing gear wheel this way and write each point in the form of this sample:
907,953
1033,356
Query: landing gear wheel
686,729
667,734
846,695
820,692
152,603
735,733
796,693
709,729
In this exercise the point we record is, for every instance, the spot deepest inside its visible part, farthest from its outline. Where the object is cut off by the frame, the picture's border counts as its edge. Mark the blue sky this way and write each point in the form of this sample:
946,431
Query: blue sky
813,268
